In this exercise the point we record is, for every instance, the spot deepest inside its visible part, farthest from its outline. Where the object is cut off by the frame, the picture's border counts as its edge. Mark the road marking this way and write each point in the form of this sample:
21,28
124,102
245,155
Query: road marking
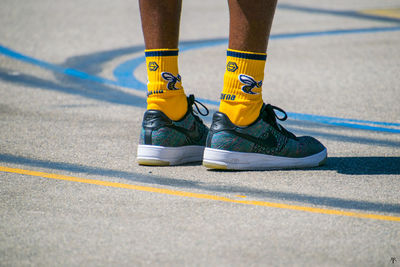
390,13
199,196
342,13
123,74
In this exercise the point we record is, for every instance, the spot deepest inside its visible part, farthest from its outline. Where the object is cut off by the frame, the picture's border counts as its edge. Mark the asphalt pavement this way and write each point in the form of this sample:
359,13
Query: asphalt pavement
72,97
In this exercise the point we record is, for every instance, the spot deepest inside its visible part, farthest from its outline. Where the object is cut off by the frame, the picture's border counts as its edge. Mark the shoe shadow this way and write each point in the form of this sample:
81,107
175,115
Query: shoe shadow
363,165
353,166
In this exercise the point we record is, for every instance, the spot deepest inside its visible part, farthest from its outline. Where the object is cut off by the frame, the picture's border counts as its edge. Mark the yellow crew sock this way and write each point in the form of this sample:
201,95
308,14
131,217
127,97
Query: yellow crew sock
241,98
164,87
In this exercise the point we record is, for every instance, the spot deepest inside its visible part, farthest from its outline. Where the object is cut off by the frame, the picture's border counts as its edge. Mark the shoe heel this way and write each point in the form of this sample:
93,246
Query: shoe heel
164,156
214,165
152,162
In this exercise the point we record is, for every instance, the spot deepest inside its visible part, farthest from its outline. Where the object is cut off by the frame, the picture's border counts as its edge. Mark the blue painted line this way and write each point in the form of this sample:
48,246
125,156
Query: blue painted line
13,54
335,32
343,13
54,68
332,120
124,73
391,127
318,118
125,77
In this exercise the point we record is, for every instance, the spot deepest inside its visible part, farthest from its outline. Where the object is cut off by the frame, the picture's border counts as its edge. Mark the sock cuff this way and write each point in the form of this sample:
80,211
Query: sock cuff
246,54
162,52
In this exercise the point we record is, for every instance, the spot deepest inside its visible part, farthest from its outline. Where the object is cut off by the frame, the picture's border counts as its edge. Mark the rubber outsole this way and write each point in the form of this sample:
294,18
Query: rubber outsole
164,156
231,160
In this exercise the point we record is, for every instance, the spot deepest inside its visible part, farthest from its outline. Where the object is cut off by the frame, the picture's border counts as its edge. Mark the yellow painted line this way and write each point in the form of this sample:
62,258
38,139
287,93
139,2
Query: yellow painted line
200,196
390,13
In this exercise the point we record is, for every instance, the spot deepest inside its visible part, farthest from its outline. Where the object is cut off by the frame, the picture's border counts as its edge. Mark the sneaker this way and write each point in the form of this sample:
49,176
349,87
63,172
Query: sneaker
167,142
263,145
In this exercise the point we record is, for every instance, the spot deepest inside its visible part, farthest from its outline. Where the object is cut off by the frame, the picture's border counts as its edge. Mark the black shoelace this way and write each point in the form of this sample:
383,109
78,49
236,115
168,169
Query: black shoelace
270,117
192,101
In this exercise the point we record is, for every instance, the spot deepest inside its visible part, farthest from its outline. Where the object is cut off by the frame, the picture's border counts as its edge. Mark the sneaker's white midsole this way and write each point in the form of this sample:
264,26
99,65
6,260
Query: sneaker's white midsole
173,155
255,161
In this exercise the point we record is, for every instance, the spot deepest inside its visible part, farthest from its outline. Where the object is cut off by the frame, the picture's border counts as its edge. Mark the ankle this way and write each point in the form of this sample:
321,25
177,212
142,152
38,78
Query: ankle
174,106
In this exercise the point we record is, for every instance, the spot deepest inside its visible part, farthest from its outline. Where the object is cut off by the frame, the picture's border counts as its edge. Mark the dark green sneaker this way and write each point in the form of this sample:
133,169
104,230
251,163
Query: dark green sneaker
263,145
167,142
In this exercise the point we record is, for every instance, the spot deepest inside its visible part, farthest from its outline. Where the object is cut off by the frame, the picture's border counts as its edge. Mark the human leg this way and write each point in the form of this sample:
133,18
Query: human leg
249,28
171,134
160,24
250,24
245,133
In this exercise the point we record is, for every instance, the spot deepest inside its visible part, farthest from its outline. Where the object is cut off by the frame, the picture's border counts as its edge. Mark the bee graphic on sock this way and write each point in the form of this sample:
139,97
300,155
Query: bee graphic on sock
171,79
250,84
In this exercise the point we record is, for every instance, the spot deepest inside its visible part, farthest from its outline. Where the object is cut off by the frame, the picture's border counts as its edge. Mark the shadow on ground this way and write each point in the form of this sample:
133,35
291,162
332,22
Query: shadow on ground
363,165
345,165
96,91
